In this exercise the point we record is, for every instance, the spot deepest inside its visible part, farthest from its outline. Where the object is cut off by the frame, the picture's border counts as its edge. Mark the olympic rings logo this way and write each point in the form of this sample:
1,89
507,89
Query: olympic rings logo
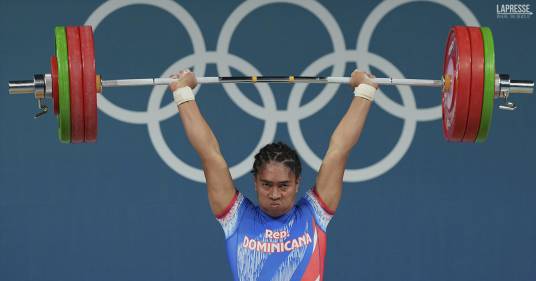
408,111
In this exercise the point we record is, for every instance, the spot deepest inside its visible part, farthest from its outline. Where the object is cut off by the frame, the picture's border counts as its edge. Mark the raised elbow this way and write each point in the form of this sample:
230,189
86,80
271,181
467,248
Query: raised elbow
337,153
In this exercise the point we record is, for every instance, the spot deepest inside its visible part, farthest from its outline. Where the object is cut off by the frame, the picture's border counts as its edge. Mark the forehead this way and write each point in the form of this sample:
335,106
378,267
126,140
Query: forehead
275,171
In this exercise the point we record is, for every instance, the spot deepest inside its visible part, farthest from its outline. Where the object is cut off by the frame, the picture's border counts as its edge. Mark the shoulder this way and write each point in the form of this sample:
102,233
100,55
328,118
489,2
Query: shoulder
230,217
318,208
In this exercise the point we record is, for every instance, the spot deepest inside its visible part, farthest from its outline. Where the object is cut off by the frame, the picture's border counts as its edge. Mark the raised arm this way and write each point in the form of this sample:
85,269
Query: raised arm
220,186
346,135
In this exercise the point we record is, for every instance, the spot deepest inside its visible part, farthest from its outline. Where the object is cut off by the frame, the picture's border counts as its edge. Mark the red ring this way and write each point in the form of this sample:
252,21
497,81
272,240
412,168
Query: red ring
477,84
456,101
76,82
90,83
54,74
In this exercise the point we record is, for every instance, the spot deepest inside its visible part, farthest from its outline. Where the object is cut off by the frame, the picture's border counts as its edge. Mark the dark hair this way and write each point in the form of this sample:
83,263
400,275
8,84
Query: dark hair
277,152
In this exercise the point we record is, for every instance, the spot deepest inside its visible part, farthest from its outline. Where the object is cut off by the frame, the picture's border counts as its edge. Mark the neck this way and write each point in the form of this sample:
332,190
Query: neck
276,215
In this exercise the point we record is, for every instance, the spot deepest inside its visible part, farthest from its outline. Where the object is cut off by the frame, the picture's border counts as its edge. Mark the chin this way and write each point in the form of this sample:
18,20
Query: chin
275,214
274,211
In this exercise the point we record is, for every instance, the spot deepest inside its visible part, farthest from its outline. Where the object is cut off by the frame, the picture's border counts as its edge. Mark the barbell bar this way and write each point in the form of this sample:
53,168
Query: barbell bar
270,79
469,84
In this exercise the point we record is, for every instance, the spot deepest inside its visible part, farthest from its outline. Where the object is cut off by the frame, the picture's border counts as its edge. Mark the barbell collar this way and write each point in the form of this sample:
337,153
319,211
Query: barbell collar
21,87
504,86
521,87
40,86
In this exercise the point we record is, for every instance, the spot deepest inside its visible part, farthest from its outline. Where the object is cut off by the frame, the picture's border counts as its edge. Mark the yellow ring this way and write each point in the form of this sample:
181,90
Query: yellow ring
99,84
253,79
291,79
446,83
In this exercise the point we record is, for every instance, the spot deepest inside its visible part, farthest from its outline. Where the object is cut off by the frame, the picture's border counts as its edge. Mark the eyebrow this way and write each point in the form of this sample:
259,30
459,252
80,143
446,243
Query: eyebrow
267,181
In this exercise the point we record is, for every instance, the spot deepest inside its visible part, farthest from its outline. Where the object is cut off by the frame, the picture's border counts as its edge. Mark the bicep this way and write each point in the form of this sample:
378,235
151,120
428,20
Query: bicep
330,178
220,186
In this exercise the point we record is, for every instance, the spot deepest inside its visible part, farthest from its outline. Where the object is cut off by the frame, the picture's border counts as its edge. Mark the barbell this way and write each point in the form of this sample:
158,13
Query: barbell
469,84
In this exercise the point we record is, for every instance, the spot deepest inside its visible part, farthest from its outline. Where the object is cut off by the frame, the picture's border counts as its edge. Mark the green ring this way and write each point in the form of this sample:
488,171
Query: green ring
489,85
64,116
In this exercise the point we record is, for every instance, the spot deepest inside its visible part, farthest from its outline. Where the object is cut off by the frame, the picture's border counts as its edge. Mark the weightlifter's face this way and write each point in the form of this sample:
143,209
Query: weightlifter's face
276,187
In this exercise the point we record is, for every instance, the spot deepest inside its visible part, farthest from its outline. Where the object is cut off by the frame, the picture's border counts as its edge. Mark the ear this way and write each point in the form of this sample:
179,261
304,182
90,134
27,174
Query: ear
298,180
255,183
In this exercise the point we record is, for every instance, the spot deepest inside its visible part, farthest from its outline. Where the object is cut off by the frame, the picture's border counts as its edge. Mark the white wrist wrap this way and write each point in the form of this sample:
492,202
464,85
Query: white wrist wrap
365,91
182,95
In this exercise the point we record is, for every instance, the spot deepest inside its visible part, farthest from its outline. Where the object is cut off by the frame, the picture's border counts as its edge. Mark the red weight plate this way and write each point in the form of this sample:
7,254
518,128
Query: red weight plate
90,83
449,76
457,65
76,82
477,84
55,86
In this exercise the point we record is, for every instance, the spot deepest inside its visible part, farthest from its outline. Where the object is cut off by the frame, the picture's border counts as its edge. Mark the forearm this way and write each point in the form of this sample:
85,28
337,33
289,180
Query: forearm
197,131
347,133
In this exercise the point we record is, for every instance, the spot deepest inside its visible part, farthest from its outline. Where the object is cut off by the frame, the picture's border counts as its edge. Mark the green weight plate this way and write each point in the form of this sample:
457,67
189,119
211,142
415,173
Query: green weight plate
64,116
489,85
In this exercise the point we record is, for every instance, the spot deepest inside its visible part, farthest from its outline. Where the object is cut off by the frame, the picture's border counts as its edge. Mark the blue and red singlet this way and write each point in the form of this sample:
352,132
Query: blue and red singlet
290,247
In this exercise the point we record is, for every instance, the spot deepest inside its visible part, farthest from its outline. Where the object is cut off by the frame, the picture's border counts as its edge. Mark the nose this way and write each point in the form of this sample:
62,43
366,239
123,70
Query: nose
275,194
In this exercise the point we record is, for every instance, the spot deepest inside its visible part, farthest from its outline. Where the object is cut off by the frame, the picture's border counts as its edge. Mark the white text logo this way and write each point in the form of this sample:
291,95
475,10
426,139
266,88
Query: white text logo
513,11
